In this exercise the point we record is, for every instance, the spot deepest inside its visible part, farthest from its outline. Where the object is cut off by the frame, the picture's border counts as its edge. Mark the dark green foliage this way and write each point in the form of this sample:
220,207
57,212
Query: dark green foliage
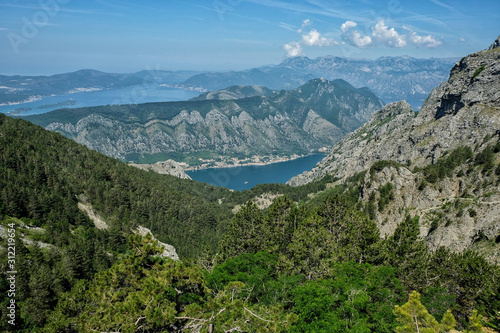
446,165
43,175
478,71
259,273
358,298
380,165
386,196
370,207
485,159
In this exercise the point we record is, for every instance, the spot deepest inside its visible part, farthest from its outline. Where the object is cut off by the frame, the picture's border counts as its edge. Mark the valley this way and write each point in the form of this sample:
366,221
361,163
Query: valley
288,122
402,214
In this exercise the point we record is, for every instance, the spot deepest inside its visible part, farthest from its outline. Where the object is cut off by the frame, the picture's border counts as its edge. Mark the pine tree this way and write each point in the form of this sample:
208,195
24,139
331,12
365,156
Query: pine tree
414,317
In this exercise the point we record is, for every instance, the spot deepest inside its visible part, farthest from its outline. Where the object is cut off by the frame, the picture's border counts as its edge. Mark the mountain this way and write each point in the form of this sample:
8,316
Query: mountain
442,163
235,92
300,121
17,88
390,78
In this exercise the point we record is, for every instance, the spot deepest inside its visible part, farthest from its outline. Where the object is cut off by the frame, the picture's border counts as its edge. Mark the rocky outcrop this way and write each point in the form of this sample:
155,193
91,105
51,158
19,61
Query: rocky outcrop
460,112
168,250
461,211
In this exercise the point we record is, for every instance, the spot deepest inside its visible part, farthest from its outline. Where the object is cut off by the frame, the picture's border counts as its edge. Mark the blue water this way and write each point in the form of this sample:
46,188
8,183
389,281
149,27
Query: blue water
128,95
246,177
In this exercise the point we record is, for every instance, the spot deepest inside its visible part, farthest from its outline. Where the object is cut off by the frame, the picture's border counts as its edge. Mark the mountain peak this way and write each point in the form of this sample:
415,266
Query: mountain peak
496,44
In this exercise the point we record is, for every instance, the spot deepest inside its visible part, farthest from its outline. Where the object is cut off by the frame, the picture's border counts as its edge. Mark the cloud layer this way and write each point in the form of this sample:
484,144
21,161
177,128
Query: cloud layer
310,38
381,36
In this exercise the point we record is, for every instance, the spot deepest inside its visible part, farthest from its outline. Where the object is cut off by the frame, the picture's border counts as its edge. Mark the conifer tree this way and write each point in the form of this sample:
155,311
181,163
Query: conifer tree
414,317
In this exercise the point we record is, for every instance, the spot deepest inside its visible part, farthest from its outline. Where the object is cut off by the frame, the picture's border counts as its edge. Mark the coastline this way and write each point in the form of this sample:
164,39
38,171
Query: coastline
255,160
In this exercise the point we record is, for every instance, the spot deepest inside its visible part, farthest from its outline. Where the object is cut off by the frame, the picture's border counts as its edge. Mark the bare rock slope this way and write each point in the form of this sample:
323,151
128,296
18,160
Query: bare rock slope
460,211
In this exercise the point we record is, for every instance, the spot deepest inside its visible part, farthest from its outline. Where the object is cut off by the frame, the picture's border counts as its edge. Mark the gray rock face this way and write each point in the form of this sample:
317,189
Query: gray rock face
301,121
460,212
168,250
460,112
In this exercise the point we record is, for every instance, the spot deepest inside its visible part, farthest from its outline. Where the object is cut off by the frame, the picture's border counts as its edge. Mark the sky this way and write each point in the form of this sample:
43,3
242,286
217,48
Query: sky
43,37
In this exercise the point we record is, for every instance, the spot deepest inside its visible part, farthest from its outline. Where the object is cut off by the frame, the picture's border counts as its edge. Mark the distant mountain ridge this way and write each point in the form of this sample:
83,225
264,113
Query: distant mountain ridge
235,92
300,121
390,78
17,88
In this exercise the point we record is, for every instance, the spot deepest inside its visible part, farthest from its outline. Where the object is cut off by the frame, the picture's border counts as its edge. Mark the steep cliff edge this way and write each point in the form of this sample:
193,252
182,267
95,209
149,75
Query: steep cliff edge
460,210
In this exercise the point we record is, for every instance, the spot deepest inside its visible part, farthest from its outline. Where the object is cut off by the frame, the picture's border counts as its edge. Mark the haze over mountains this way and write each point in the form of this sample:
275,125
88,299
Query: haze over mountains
299,121
407,204
390,78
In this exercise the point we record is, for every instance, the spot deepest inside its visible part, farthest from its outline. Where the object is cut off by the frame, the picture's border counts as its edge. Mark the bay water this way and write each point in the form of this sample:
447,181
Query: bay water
127,95
245,177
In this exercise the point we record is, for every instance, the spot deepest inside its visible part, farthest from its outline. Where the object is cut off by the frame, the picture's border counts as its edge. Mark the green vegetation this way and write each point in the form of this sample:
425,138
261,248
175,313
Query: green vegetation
301,265
446,165
414,317
478,71
380,165
386,196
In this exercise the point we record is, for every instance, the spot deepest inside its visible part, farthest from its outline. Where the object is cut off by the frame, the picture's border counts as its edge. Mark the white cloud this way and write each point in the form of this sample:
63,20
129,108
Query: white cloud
314,38
462,40
422,41
305,23
353,36
358,41
293,49
348,25
388,37
382,35
310,37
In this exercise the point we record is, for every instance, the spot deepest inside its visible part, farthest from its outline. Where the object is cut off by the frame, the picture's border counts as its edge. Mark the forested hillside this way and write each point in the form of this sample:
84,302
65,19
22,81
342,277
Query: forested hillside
311,264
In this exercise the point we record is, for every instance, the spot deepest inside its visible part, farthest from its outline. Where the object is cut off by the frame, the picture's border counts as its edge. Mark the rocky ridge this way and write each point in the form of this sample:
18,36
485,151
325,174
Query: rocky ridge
391,78
234,92
299,121
461,211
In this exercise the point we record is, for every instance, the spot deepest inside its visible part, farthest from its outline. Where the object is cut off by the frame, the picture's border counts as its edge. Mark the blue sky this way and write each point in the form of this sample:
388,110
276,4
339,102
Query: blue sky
56,36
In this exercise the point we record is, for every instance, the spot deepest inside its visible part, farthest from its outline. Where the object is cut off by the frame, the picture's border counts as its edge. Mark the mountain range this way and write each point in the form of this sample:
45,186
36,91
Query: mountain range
404,209
299,121
440,162
390,78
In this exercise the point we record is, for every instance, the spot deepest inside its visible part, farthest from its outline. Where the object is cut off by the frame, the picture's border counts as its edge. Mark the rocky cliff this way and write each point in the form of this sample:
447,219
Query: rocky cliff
461,210
300,121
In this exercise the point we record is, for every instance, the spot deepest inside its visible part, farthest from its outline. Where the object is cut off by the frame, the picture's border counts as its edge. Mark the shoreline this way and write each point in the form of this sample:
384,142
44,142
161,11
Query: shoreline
242,163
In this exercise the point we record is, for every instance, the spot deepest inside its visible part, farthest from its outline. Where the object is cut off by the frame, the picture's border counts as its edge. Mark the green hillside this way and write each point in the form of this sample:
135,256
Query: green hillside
312,264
